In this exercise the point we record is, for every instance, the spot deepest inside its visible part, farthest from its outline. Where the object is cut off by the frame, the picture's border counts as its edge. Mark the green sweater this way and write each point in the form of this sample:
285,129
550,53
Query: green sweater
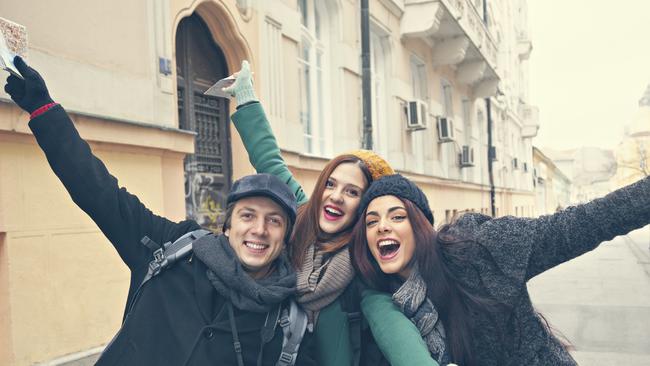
331,332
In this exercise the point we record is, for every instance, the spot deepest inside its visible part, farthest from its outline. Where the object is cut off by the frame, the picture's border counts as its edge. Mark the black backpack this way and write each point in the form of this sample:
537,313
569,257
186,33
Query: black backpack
291,317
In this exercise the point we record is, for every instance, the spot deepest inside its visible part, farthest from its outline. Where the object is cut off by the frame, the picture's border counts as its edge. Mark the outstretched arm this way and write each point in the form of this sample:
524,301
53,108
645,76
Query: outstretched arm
396,336
120,215
525,248
256,134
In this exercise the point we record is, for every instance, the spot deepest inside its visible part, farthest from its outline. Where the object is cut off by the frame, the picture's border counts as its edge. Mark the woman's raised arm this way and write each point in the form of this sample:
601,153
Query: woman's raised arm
256,134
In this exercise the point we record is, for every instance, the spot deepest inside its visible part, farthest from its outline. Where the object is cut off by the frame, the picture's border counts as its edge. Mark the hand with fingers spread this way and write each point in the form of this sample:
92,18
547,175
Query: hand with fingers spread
242,88
31,93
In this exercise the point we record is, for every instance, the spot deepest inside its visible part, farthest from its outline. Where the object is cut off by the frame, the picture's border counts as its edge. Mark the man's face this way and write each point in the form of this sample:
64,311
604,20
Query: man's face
256,233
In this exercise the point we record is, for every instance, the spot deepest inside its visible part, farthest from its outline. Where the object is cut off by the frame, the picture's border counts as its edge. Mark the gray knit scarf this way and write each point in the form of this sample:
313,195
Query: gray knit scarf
321,282
411,298
231,281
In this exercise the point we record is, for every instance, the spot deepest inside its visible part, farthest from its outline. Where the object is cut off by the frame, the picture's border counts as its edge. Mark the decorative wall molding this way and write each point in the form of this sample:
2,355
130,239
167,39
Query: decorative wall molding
486,88
471,72
450,51
422,19
396,7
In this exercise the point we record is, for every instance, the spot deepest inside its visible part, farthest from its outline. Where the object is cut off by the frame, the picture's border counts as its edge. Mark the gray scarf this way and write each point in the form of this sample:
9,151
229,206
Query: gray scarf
412,300
232,282
321,282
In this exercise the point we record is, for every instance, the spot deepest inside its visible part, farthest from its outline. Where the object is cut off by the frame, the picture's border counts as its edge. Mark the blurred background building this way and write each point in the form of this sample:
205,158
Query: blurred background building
552,186
633,153
447,78
590,170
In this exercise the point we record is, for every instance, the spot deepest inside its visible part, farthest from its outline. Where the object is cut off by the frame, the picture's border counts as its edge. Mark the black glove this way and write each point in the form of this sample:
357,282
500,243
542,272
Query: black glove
30,93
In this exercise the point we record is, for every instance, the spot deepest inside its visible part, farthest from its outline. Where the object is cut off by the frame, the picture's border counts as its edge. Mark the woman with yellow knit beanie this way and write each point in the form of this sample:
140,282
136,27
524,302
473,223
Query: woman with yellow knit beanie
327,287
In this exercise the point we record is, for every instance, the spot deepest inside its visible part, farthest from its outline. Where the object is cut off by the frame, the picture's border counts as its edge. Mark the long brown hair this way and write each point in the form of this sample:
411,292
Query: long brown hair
307,231
433,250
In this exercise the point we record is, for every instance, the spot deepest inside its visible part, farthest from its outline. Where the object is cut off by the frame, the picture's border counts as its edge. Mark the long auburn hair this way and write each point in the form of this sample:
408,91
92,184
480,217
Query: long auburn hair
307,231
433,250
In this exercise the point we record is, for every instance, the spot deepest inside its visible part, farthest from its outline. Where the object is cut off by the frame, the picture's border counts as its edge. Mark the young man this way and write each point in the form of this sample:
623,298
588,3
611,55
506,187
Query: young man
222,303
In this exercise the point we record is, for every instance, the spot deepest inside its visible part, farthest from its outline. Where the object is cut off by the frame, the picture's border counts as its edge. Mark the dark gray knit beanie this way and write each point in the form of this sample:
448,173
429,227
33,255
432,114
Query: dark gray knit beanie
396,185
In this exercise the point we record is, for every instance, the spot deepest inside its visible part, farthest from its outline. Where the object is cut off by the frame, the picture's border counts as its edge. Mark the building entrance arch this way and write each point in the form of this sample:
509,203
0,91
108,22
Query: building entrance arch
207,48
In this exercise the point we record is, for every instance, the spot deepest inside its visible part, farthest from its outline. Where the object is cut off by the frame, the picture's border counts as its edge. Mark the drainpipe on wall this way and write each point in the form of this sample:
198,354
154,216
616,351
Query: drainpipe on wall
365,76
491,149
491,153
485,12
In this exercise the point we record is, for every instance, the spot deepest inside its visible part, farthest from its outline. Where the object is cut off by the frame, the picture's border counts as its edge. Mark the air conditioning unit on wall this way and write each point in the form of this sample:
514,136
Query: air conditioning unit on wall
467,156
417,115
445,129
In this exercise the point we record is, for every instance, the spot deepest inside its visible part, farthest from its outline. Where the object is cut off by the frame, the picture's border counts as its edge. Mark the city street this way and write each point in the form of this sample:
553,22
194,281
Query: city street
601,301
485,106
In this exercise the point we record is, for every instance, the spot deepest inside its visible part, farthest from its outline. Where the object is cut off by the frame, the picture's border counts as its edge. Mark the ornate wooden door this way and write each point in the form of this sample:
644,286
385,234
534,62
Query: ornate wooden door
199,64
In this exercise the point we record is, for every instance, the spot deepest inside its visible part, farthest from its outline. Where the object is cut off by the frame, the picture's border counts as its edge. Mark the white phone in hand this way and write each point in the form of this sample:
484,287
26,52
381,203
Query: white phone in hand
217,89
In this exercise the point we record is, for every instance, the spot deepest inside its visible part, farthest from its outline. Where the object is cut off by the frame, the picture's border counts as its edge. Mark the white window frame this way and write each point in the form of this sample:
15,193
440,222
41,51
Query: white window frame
273,69
447,93
379,65
419,79
419,91
313,61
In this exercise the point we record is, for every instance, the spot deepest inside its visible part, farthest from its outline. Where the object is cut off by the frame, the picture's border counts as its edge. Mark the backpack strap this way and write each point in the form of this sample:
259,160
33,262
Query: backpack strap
294,323
152,245
271,322
354,326
350,304
169,253
235,335
268,330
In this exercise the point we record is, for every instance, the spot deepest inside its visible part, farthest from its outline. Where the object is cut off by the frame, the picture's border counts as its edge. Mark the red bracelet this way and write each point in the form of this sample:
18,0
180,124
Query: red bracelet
42,110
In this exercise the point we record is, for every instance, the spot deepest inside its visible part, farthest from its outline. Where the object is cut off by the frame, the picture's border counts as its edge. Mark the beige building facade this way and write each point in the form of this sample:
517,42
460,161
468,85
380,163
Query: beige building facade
633,152
590,170
552,186
132,74
453,56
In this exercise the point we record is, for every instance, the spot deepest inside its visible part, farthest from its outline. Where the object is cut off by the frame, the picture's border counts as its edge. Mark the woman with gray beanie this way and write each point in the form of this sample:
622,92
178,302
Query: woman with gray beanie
464,286
327,288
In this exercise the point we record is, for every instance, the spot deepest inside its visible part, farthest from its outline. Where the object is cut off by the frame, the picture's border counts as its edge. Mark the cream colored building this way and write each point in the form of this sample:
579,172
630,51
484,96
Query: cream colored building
451,55
552,186
590,169
633,152
132,73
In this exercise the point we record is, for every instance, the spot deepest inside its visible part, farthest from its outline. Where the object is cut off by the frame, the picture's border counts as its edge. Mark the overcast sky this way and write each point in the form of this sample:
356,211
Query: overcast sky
589,66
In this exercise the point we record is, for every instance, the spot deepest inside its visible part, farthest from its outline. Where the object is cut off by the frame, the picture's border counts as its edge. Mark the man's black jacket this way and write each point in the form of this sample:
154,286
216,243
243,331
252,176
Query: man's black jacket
178,318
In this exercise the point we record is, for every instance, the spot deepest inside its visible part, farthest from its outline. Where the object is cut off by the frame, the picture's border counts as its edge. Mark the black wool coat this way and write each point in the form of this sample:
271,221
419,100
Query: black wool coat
505,253
177,318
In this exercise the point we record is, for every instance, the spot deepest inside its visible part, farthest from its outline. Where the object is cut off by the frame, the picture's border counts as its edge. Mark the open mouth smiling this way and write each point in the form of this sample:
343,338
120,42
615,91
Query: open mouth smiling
388,248
332,213
256,247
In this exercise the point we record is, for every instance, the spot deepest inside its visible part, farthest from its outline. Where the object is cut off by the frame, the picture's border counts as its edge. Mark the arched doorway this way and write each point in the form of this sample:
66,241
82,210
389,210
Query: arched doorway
199,64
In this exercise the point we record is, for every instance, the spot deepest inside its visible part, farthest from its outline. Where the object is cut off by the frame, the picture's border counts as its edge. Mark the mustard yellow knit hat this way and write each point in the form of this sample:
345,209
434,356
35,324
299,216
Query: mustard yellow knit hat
377,166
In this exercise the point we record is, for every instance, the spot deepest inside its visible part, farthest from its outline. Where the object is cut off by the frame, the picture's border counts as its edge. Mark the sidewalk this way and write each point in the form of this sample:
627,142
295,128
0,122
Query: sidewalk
601,301
639,242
